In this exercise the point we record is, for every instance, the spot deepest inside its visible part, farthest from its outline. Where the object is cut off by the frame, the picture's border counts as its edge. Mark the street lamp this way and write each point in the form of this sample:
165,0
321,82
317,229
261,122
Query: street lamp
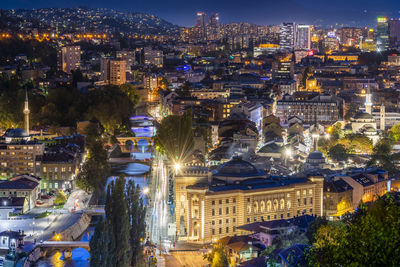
177,166
327,136
57,237
146,190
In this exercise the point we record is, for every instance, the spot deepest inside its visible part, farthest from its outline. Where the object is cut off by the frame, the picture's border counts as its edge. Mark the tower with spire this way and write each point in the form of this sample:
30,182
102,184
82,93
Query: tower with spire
383,117
368,101
26,113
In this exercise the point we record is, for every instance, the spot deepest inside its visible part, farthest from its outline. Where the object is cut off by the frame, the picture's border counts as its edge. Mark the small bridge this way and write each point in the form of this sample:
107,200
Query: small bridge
94,210
134,140
48,247
64,244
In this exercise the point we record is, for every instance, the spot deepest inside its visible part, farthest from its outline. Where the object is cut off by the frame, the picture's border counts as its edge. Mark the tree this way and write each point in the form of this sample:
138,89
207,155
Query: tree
382,154
137,217
338,153
217,257
174,137
395,130
61,198
98,248
117,225
351,110
369,237
118,239
96,167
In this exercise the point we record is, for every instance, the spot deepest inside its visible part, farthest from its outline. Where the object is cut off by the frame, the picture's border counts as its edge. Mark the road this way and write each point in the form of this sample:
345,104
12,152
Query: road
58,221
159,196
185,259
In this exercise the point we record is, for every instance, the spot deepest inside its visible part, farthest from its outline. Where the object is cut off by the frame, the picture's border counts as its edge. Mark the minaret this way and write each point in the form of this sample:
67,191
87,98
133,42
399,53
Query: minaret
383,118
26,113
368,101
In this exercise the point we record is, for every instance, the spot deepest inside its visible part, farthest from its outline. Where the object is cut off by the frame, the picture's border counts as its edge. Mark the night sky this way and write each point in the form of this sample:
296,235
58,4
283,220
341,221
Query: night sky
182,12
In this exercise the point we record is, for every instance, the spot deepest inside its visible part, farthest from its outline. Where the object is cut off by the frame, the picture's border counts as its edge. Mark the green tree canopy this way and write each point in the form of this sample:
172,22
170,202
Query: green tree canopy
217,257
370,237
395,130
174,137
338,153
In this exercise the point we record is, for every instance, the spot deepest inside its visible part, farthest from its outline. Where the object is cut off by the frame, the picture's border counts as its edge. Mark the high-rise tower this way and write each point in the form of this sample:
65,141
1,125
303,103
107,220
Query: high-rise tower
382,35
26,113
383,118
368,101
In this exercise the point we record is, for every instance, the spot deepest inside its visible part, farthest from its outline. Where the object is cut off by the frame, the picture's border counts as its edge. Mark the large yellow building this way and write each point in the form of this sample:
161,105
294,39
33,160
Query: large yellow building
210,206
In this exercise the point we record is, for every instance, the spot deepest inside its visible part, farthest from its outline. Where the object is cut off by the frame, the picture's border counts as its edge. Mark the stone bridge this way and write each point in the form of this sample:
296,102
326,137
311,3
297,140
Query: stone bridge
131,142
48,247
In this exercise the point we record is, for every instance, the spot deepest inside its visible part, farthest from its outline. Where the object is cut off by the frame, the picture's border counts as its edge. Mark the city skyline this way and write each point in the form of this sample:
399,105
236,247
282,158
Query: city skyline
356,13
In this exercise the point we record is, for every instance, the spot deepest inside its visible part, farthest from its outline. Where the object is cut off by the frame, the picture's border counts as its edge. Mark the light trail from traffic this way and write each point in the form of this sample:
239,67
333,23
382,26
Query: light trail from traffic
159,216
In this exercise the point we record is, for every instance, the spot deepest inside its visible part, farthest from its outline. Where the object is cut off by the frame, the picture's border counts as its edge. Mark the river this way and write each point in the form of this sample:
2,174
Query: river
134,171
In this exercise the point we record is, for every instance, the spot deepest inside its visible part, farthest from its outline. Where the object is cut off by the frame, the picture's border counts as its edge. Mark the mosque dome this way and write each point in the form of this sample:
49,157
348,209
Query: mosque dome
362,115
16,133
237,168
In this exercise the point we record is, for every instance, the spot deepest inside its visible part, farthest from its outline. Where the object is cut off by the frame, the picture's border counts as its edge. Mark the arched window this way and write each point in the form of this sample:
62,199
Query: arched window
275,204
288,204
269,205
255,207
262,206
282,206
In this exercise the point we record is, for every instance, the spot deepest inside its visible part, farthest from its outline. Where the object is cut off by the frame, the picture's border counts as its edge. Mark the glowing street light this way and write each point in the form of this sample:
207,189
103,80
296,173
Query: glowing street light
57,237
146,190
177,167
288,152
327,136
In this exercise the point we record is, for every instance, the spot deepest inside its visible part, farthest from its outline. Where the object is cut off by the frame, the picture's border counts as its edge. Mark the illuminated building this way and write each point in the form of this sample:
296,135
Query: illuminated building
210,206
283,68
58,169
129,56
214,20
287,35
153,57
303,39
394,33
23,186
201,24
350,36
69,58
382,35
321,109
394,60
330,43
338,198
19,157
312,85
368,185
368,45
265,49
113,71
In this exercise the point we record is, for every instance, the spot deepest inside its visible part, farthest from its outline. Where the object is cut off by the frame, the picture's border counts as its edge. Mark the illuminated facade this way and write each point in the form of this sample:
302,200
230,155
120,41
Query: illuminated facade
212,206
113,71
382,35
69,58
303,39
287,35
153,57
265,49
350,36
322,108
